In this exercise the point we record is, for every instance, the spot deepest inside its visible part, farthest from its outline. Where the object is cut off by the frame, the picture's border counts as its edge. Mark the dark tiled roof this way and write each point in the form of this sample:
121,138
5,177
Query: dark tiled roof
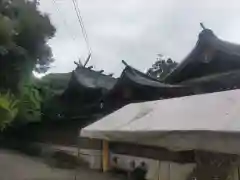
140,78
211,55
93,79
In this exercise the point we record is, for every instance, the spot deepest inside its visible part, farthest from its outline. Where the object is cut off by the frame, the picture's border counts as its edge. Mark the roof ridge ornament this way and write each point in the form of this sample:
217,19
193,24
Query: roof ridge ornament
87,60
124,62
101,71
79,63
202,25
90,67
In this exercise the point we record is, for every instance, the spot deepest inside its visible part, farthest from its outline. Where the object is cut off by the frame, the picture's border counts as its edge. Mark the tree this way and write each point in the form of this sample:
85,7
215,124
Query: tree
24,32
161,68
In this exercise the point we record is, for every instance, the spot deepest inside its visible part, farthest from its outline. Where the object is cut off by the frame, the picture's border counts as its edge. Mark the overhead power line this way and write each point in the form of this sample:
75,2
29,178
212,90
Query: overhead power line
80,20
77,10
60,13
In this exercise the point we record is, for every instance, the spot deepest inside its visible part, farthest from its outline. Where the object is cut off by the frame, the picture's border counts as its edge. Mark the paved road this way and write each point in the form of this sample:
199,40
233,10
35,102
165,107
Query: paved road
15,166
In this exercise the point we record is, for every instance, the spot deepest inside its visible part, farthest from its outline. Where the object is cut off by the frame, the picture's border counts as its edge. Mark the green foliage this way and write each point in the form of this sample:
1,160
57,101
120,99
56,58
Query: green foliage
25,108
30,104
8,109
33,30
161,68
52,86
5,33
24,32
54,83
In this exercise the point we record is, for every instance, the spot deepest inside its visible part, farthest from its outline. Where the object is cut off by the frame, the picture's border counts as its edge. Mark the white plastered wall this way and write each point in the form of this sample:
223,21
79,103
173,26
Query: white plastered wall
157,170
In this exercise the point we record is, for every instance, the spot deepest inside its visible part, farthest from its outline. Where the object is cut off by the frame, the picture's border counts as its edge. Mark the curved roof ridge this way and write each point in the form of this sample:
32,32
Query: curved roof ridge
207,39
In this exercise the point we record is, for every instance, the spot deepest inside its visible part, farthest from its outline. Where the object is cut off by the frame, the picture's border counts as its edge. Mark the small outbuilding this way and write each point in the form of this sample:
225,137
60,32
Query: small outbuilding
180,138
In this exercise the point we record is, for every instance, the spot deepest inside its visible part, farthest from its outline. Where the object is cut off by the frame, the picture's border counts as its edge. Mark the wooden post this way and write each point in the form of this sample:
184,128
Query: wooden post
105,156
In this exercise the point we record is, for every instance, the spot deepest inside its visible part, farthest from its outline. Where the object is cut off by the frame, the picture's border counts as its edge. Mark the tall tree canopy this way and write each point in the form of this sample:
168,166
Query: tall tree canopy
24,32
162,67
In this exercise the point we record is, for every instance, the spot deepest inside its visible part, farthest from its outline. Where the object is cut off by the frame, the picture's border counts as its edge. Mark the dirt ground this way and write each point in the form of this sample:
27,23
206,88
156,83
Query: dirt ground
15,166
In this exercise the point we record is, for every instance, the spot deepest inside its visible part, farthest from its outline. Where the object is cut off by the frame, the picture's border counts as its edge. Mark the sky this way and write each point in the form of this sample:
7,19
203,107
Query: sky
135,30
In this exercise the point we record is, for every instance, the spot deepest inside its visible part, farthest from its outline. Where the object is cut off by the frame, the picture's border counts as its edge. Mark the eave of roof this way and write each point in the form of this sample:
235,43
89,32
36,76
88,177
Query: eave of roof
93,79
207,40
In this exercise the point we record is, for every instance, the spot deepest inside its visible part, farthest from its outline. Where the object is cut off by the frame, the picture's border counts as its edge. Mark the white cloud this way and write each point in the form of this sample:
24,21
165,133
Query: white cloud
136,30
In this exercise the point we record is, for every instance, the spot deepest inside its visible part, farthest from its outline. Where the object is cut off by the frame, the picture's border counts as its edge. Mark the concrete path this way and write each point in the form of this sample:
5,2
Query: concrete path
15,166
